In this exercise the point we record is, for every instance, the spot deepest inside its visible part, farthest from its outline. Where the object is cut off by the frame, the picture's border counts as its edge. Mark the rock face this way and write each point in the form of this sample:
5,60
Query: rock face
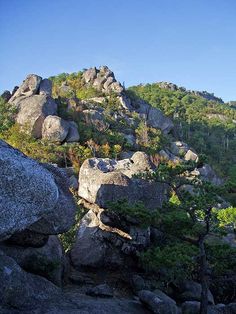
29,193
28,88
33,111
55,129
105,180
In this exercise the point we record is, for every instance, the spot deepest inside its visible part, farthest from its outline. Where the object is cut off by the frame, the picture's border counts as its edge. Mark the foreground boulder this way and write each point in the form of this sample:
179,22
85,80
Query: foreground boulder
105,180
29,194
27,191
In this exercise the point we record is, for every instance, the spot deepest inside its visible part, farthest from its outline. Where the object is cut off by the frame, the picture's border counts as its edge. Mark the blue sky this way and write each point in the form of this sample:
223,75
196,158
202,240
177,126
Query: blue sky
188,42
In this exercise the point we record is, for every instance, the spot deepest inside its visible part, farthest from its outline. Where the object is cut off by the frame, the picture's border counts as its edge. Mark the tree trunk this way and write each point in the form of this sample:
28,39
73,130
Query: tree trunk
203,276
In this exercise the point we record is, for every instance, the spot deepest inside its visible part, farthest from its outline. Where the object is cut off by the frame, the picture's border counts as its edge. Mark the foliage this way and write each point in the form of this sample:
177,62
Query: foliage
137,211
6,115
221,258
172,262
64,155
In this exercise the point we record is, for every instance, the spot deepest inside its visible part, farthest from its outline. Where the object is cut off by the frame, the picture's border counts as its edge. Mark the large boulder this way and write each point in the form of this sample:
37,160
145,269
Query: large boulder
158,303
157,119
27,191
55,129
208,174
95,118
28,88
46,261
105,180
21,290
33,111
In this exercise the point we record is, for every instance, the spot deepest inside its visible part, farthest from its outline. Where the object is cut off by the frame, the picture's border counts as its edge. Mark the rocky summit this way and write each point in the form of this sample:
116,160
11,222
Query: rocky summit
112,202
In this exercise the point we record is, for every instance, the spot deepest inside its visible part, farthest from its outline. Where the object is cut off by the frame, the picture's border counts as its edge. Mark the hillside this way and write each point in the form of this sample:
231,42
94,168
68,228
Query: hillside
123,198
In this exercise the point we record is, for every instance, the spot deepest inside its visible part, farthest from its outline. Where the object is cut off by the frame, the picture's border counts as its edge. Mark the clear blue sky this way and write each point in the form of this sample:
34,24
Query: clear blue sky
189,42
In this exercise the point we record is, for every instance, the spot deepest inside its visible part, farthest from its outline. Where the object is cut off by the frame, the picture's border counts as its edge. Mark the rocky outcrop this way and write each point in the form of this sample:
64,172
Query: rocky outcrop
54,129
203,94
33,111
29,87
6,95
106,180
103,79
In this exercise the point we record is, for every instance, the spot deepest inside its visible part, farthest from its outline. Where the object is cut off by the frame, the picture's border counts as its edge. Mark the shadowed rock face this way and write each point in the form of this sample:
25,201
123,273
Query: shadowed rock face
105,180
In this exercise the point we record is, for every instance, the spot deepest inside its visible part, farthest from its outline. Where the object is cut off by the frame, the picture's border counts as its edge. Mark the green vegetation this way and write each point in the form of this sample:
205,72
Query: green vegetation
176,261
6,115
209,127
